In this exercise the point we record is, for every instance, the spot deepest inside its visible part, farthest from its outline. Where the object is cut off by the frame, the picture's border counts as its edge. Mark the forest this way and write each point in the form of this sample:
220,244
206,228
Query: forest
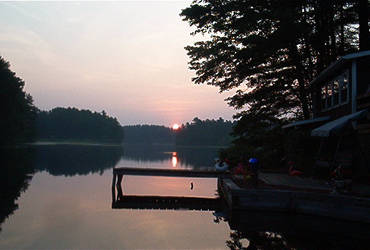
71,124
22,121
148,134
196,133
268,52
205,133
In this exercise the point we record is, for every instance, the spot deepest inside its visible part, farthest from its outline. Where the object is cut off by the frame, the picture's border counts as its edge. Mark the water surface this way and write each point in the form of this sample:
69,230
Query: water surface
59,197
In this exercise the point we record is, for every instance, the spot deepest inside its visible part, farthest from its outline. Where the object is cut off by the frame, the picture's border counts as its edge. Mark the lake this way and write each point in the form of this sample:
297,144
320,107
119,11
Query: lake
60,197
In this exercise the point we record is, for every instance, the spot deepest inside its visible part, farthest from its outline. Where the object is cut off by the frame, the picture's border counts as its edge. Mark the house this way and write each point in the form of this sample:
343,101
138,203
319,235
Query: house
340,109
343,88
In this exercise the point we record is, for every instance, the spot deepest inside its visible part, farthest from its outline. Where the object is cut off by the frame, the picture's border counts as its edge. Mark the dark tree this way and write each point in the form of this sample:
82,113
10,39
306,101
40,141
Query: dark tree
269,50
17,112
148,134
205,133
62,124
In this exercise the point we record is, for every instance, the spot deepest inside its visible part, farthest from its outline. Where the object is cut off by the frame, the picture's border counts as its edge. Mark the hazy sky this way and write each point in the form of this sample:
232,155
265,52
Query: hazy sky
126,58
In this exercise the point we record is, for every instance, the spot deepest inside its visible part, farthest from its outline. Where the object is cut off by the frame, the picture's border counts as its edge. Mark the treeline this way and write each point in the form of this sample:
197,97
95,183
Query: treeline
21,121
269,52
17,111
148,134
205,133
66,124
197,133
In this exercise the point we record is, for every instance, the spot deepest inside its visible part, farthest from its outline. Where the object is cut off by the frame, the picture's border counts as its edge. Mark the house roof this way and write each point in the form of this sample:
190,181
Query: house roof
329,71
336,127
306,122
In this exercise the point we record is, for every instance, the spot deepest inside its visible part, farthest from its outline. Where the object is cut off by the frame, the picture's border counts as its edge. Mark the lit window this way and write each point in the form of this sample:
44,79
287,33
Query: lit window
335,92
323,97
329,101
344,87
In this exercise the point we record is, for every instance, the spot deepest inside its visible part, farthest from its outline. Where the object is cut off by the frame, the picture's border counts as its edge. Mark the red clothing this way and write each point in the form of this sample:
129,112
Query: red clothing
240,169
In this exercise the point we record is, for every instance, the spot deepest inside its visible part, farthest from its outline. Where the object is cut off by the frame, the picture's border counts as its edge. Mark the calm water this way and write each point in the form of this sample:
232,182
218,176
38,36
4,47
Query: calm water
59,197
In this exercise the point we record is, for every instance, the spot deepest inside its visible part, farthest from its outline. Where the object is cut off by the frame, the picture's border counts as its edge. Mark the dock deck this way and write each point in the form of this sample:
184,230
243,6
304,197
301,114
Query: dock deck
296,201
166,202
169,172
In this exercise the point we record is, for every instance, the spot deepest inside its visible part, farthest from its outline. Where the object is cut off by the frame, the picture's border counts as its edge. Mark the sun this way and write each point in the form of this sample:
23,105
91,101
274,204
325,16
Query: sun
175,126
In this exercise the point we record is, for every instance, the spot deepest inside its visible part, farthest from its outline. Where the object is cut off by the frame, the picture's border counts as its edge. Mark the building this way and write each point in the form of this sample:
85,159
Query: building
340,109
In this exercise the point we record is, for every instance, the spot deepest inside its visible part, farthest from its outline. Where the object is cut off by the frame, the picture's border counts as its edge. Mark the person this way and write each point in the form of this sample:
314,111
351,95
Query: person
253,165
240,169
340,183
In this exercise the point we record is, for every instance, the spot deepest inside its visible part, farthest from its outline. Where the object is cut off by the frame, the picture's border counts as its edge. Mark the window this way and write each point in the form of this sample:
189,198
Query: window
344,88
323,97
329,89
335,92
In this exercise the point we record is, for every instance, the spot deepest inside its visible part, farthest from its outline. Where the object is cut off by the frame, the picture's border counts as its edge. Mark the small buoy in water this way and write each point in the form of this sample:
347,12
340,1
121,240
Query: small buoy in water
191,186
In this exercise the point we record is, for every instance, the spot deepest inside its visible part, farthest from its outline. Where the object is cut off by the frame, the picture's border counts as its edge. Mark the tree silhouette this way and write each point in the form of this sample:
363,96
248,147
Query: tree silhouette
269,50
17,111
78,125
205,133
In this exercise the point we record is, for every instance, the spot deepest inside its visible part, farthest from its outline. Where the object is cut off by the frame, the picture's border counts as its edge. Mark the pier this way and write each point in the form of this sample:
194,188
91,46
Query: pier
166,202
294,201
122,201
169,172
303,196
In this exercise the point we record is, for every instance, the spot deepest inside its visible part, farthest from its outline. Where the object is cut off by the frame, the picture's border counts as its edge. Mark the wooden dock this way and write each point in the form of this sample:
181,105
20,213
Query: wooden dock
120,200
337,206
307,198
166,202
169,172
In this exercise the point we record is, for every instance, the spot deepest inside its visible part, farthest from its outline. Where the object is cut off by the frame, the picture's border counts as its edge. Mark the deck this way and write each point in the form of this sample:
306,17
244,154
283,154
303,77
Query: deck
122,201
166,202
279,193
295,201
169,172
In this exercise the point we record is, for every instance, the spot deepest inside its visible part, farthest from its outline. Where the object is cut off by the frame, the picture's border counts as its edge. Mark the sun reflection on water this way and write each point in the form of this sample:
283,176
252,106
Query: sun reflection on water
174,159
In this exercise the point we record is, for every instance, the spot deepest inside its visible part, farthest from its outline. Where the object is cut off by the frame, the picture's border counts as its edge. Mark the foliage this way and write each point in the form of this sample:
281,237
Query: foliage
269,50
198,132
148,134
205,133
256,138
77,125
16,108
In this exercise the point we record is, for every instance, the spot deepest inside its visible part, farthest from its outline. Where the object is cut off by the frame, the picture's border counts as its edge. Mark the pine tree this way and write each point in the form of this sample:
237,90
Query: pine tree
17,112
269,51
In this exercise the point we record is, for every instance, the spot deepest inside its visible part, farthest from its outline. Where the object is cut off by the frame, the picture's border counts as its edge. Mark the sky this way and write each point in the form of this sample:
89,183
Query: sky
126,58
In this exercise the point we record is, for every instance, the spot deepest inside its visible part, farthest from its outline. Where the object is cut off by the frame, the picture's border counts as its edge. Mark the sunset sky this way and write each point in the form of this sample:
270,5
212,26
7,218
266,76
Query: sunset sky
126,58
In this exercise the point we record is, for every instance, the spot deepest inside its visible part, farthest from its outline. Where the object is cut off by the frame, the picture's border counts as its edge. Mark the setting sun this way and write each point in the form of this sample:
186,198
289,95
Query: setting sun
175,126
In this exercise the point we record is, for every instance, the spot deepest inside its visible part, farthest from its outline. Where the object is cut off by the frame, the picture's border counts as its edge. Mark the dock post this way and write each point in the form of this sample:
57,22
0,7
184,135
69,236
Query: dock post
114,188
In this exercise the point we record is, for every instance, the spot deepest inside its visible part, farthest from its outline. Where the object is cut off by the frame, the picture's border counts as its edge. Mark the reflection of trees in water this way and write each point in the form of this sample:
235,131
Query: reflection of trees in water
256,240
16,172
148,153
297,240
187,156
281,231
69,160
197,157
